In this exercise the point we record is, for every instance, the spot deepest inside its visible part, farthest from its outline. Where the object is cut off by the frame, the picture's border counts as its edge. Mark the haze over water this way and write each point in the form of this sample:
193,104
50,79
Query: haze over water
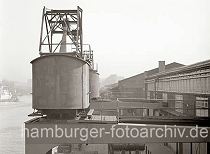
12,118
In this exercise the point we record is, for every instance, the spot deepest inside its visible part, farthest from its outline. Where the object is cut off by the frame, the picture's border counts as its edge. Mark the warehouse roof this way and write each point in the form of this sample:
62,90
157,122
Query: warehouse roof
156,70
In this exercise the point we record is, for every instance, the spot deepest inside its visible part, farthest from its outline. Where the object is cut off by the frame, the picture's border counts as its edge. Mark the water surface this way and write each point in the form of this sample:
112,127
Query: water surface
12,118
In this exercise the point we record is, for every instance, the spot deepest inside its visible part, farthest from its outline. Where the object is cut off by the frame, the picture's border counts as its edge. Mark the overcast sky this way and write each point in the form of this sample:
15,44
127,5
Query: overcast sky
127,36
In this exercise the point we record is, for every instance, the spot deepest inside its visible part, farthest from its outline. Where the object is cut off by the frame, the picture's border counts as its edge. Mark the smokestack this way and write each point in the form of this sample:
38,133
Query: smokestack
161,66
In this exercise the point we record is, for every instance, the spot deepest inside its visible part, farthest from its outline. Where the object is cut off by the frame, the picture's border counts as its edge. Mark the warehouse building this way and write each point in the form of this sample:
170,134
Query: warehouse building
134,87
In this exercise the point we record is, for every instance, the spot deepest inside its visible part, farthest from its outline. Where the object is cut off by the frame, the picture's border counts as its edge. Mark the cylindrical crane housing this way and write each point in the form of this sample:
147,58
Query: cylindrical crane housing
94,84
60,81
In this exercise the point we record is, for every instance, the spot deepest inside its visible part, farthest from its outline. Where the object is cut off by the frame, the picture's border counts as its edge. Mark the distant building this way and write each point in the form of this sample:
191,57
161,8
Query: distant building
134,87
108,90
112,79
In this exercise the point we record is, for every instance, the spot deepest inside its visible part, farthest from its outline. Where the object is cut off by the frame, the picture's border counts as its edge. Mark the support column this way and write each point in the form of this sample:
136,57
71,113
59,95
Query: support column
171,100
180,145
145,86
179,148
110,149
151,111
146,149
121,112
208,143
177,152
208,106
208,147
164,97
189,103
147,95
156,112
191,149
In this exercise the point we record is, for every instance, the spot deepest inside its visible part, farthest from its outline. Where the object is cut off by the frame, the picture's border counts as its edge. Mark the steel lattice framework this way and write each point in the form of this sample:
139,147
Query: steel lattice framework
57,22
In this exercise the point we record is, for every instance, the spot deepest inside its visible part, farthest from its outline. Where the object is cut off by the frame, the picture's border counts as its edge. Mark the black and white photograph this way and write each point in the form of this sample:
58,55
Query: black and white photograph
105,77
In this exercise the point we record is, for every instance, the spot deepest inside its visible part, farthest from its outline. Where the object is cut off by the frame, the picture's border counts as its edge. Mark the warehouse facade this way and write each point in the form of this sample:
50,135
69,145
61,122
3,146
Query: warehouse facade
134,87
